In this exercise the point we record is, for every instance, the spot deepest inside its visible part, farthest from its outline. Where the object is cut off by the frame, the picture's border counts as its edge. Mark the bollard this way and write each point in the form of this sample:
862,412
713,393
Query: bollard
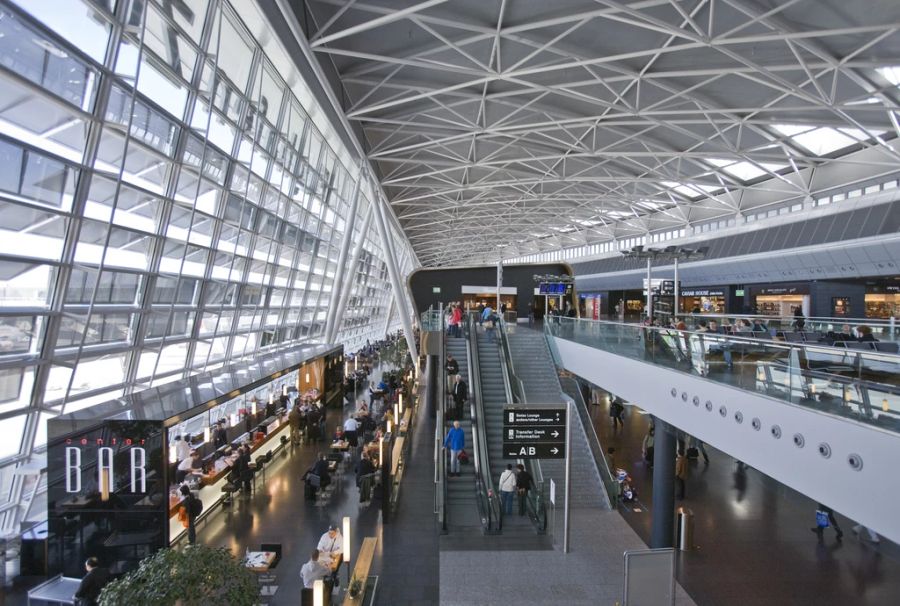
684,529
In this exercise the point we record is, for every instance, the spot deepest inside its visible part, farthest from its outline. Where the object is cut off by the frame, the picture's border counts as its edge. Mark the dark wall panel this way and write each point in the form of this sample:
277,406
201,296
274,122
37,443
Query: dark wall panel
451,280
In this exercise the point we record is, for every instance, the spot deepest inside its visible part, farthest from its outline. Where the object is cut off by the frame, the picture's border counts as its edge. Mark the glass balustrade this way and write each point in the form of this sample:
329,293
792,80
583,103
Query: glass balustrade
849,379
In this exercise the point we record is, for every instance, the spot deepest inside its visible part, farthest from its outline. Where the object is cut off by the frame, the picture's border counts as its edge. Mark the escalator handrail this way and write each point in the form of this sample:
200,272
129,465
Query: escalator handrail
488,506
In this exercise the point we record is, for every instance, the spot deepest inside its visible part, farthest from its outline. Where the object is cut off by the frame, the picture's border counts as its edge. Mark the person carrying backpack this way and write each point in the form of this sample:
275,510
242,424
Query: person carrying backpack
190,510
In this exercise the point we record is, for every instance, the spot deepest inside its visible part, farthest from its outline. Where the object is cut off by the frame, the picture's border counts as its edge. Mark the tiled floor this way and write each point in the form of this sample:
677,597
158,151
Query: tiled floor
755,546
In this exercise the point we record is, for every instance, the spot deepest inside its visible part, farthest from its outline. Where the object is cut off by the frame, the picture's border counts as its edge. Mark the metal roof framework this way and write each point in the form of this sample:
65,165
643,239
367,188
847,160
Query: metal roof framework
502,128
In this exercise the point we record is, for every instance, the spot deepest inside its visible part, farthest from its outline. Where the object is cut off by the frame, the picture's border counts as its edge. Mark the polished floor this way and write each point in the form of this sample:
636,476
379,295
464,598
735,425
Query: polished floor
753,534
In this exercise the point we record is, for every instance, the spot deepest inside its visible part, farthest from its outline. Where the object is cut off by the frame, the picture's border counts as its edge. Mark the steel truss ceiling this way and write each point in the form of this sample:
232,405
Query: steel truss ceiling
507,127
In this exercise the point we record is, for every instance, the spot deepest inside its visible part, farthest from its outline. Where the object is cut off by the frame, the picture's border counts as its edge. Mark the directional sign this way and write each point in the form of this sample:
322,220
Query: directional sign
534,433
534,416
534,451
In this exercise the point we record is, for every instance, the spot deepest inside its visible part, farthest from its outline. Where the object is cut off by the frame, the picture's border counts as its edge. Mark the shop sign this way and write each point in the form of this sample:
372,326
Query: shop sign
791,289
703,292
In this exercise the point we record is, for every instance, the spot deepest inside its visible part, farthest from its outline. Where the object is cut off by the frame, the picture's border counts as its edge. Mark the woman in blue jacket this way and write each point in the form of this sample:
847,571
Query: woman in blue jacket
456,442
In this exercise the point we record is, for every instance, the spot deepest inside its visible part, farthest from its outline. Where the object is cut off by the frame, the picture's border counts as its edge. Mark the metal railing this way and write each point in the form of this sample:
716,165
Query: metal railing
847,379
571,388
488,503
440,459
885,329
515,392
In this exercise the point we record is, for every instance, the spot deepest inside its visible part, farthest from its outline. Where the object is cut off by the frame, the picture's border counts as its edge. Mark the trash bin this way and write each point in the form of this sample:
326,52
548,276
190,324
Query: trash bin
684,529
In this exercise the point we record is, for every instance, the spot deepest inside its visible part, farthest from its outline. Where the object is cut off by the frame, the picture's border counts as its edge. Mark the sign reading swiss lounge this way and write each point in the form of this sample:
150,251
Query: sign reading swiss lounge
534,433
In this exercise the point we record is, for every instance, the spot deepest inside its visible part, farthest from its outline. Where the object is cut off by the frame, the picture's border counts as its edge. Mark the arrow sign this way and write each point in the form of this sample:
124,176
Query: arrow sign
534,416
534,433
512,450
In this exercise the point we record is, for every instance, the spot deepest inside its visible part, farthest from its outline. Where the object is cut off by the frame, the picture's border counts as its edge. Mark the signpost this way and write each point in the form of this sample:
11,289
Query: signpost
534,433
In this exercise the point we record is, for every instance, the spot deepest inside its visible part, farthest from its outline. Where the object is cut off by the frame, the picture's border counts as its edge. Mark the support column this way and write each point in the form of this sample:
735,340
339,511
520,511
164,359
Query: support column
675,308
649,290
394,274
499,282
338,284
351,275
662,531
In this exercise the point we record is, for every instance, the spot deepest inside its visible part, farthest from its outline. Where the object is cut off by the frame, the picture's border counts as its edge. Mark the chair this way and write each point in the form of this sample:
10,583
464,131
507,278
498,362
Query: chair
887,346
229,489
274,547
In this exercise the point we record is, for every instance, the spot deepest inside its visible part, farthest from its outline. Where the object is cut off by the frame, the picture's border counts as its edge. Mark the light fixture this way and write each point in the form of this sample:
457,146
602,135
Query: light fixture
388,426
381,450
318,592
400,399
206,434
307,377
284,389
271,397
347,546
252,409
396,415
104,485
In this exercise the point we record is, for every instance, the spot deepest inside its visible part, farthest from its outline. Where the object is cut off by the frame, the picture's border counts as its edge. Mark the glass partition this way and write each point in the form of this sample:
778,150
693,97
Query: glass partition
850,379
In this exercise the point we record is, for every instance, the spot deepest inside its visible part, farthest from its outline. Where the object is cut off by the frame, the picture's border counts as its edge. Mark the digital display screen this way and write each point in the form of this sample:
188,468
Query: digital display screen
555,288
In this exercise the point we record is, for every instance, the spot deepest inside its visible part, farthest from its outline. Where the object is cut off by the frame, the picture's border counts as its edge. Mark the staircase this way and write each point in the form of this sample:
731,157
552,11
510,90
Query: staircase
462,507
535,367
493,394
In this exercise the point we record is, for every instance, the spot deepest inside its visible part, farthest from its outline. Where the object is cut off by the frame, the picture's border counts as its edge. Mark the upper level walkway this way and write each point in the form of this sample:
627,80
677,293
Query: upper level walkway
822,419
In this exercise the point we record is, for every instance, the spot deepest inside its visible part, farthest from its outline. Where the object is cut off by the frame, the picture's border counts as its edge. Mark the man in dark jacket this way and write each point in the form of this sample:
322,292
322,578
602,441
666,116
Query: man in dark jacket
524,483
460,395
92,583
452,371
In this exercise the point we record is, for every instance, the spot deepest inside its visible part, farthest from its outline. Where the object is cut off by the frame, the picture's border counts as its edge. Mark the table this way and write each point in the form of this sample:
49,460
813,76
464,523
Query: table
343,445
259,561
59,589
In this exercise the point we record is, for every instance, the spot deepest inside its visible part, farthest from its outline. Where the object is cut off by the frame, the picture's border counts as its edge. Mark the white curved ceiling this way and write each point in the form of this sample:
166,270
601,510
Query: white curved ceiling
507,127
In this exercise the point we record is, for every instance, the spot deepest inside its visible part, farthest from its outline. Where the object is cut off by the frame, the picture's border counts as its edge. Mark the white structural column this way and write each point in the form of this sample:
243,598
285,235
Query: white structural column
394,273
675,308
499,282
347,288
339,286
649,290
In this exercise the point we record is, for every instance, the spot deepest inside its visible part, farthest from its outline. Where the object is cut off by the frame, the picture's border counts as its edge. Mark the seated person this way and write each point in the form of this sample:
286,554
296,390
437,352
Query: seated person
865,334
845,335
331,547
365,467
314,570
320,468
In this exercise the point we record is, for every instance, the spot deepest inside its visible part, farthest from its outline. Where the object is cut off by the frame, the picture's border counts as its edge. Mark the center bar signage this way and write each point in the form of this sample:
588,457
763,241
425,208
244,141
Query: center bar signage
534,433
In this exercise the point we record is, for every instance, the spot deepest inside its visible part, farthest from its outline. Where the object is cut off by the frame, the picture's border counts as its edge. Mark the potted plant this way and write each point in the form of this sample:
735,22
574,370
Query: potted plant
355,588
195,576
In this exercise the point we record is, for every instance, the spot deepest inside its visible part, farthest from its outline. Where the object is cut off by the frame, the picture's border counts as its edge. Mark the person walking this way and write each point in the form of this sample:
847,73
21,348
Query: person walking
188,512
824,519
507,487
524,483
647,446
294,419
616,410
681,473
456,442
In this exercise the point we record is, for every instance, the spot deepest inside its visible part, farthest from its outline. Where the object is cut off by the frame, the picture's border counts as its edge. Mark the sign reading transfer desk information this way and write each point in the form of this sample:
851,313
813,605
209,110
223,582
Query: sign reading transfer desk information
534,433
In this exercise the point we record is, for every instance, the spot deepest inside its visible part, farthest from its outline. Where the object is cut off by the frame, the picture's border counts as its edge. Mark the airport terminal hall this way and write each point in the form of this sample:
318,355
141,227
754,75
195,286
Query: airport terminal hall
449,302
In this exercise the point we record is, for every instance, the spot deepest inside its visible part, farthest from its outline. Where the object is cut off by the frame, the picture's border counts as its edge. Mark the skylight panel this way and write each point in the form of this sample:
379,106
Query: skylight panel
588,222
690,190
891,74
824,140
743,170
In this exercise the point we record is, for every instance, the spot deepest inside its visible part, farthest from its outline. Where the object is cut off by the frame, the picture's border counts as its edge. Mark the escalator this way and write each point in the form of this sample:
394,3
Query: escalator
496,393
462,506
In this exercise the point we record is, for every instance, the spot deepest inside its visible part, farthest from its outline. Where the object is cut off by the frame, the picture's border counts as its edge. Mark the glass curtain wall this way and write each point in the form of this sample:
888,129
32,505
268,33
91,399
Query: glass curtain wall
166,205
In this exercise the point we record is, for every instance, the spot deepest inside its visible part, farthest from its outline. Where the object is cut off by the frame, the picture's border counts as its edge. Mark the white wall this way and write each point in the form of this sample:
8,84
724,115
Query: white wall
870,495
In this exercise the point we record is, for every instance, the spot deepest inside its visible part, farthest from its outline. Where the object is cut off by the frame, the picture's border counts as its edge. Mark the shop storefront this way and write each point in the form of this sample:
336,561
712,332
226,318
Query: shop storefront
114,469
475,296
591,305
713,300
781,299
883,301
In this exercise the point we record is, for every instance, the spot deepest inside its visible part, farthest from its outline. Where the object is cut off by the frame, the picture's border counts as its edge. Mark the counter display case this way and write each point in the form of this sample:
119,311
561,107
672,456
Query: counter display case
113,469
